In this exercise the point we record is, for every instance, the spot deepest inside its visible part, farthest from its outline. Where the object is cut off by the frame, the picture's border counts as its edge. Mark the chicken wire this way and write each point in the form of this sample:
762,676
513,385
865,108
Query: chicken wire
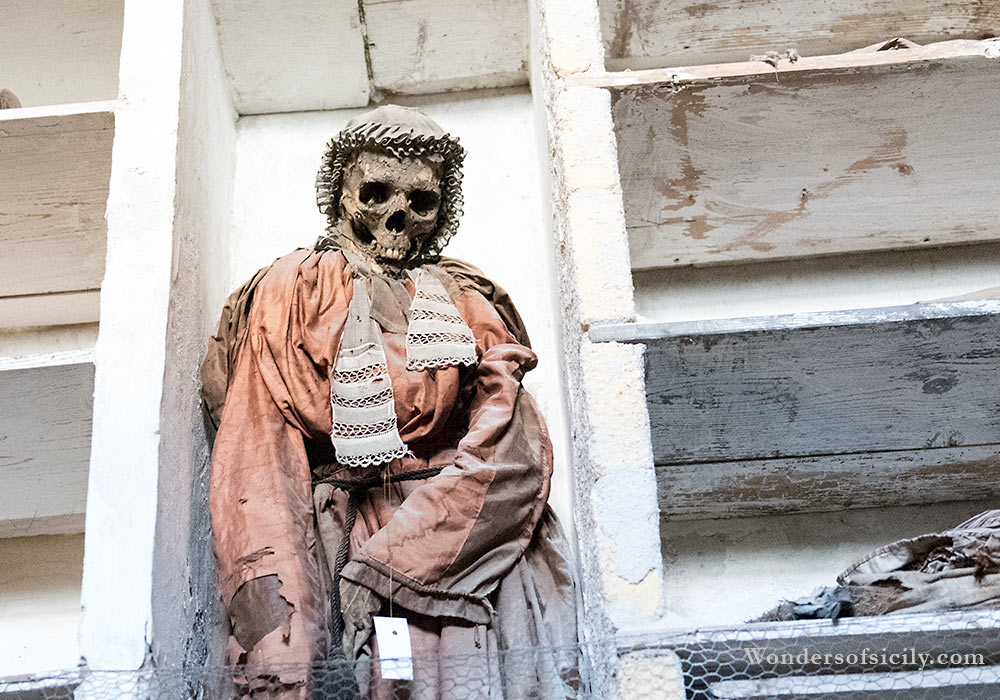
959,659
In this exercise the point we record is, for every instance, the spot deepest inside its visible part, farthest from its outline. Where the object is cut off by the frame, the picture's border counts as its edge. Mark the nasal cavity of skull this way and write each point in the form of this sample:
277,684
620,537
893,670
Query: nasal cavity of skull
373,192
397,222
423,201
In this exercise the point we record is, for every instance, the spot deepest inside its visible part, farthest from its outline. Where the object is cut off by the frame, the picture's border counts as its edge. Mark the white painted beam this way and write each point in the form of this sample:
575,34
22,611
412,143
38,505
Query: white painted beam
53,191
318,55
45,424
648,33
424,46
294,55
58,309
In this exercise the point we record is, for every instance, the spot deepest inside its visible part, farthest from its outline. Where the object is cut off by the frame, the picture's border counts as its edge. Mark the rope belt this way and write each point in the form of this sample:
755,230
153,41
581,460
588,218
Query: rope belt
356,489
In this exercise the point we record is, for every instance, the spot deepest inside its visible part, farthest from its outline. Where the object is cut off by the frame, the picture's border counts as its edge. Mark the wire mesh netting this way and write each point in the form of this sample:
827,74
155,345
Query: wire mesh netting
911,657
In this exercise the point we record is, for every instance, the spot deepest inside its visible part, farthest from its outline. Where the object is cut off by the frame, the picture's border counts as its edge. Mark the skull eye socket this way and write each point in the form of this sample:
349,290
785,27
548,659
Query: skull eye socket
373,192
424,201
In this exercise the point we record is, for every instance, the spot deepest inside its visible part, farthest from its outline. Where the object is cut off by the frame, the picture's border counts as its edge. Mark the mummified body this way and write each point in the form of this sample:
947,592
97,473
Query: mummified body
369,386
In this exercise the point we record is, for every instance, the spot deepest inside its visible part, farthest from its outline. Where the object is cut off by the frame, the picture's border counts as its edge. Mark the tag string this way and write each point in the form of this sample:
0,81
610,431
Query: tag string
388,539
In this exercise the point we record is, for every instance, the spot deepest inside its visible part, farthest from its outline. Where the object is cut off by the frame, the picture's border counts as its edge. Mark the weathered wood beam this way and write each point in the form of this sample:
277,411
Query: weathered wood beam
53,195
646,33
824,483
969,683
836,154
815,412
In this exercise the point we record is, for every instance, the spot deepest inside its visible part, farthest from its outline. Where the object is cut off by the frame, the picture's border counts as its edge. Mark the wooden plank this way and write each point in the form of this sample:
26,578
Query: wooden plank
56,52
45,423
743,162
749,488
60,309
964,632
424,46
710,655
643,33
848,388
60,685
292,56
53,194
70,524
971,683
928,311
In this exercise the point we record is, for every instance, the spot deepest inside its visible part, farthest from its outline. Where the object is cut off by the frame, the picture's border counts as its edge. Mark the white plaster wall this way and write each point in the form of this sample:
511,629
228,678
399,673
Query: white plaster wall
39,603
503,231
184,586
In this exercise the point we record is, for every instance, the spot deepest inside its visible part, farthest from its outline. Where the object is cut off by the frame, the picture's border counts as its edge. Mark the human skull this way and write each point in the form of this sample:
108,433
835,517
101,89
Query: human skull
391,204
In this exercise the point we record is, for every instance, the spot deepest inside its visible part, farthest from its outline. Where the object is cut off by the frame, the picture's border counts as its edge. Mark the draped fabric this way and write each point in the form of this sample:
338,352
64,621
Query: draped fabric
471,556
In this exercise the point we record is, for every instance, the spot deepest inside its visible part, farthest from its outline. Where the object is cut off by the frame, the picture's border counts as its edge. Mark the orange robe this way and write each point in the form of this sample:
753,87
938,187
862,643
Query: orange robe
471,556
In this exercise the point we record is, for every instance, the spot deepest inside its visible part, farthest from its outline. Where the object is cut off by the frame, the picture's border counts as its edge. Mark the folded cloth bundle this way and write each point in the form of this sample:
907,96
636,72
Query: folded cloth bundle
949,570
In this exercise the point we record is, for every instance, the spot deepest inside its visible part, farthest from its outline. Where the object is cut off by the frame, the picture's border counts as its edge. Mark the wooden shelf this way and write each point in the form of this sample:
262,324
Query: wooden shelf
816,412
313,55
53,195
45,424
855,152
648,33
715,653
971,683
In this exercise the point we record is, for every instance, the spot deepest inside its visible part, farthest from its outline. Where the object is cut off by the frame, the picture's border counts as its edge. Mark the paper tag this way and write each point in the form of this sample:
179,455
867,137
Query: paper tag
393,637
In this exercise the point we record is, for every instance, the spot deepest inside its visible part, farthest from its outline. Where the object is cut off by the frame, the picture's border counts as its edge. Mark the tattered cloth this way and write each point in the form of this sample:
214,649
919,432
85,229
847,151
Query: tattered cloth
472,556
955,569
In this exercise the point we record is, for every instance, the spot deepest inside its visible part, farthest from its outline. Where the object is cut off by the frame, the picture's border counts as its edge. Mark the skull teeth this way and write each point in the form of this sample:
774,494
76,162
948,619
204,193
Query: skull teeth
392,253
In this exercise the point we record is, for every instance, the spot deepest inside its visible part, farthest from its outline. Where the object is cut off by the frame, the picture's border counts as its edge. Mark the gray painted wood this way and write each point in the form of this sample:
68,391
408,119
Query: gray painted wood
970,683
962,632
644,33
45,424
748,488
815,412
844,389
53,194
744,163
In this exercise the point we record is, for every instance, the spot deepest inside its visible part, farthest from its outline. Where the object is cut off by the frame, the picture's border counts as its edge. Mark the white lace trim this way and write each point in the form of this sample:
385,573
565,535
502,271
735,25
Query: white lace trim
372,460
437,335
364,431
434,362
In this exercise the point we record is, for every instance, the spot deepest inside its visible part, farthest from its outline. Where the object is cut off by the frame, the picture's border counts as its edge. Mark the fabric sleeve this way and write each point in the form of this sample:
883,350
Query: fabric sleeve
224,346
260,491
261,507
454,537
